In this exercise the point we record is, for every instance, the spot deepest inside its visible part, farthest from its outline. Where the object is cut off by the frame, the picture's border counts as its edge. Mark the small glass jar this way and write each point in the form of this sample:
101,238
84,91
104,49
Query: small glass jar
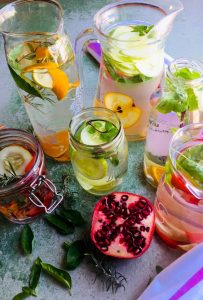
32,194
98,168
161,126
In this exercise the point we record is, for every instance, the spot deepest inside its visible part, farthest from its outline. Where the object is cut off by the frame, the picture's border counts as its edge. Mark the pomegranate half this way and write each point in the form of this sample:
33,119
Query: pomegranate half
123,225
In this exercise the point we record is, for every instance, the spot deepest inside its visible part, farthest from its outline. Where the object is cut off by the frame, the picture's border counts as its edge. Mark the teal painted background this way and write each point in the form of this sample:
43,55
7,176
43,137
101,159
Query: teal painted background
186,40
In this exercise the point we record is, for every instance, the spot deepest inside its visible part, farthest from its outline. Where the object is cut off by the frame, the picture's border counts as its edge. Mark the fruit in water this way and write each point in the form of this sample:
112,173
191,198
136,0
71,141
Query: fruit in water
15,157
124,107
123,225
49,75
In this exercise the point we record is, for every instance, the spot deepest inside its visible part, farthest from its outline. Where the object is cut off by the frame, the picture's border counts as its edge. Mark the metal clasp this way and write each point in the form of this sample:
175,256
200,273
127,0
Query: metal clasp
57,197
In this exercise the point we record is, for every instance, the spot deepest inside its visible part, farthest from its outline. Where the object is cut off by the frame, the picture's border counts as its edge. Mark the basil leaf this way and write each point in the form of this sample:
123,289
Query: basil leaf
75,254
192,99
35,273
26,239
29,291
21,296
63,227
73,216
58,274
25,85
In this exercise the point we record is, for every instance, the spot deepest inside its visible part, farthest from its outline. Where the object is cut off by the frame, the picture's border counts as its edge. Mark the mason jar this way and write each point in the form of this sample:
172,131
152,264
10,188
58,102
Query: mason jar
98,150
25,197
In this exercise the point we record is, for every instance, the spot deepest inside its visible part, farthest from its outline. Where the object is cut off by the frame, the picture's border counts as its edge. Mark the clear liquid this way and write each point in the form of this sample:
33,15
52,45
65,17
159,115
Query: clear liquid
130,73
46,67
99,171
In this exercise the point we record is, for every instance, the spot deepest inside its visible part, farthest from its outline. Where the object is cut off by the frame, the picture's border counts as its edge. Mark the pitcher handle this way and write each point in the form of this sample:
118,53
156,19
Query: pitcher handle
80,44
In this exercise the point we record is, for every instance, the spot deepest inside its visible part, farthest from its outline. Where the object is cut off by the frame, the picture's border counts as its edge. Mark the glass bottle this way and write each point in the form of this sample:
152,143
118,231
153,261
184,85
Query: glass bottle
41,61
179,199
181,103
99,164
32,194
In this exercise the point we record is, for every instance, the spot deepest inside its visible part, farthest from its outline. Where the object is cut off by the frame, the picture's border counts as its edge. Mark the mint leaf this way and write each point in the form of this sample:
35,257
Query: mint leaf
142,29
192,100
187,74
166,103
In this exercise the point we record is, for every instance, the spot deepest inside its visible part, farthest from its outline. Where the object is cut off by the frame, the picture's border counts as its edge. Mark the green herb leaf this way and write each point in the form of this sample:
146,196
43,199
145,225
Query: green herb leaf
167,103
75,254
192,99
187,74
21,296
142,29
35,274
29,291
26,239
63,227
73,216
25,85
114,160
58,274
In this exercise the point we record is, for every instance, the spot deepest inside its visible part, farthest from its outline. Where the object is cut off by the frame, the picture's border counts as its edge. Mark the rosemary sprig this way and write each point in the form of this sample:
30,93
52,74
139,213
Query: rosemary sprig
5,179
111,279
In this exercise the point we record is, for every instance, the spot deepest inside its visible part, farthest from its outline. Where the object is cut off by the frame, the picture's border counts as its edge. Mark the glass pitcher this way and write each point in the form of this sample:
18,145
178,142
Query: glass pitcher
179,200
42,64
132,35
181,103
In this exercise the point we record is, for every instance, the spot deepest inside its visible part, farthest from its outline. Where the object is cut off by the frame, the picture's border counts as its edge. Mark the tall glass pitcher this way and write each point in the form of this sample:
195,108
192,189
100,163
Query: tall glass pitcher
179,201
41,62
132,35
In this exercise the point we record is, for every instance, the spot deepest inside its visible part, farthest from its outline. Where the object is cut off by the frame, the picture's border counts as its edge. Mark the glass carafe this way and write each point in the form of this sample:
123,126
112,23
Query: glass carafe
179,200
41,61
132,36
181,103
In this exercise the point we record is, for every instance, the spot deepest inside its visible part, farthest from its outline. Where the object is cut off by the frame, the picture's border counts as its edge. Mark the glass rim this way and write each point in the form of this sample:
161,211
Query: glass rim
195,64
127,3
21,134
19,2
104,145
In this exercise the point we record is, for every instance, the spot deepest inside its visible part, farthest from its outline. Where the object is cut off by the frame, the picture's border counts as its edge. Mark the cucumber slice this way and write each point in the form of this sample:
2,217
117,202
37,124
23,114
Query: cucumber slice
43,78
15,156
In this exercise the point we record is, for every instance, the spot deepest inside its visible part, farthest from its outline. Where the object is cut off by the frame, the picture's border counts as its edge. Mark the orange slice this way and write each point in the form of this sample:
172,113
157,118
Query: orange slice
56,145
42,53
49,75
157,172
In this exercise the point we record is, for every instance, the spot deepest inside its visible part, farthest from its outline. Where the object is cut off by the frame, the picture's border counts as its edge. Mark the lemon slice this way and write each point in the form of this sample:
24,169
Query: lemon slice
91,168
43,78
15,156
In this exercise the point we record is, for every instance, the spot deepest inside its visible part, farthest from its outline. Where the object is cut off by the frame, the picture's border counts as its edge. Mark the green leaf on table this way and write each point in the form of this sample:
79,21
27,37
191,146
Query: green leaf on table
35,274
26,239
20,296
75,254
192,99
61,225
29,291
187,74
73,216
58,274
25,84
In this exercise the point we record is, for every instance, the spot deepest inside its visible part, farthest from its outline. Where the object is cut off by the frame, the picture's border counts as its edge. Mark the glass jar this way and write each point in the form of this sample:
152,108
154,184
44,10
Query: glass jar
181,103
179,199
32,194
99,166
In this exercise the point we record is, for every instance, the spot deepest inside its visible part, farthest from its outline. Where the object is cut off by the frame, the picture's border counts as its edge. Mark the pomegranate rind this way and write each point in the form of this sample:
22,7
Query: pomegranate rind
119,247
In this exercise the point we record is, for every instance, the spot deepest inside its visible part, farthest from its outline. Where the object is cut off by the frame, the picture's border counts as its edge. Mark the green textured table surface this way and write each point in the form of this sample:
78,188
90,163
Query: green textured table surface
185,40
